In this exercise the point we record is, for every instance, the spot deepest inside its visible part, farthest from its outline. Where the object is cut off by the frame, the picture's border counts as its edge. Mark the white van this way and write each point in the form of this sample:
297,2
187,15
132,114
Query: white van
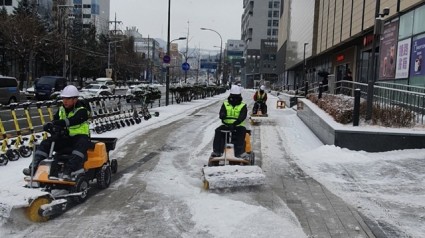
108,82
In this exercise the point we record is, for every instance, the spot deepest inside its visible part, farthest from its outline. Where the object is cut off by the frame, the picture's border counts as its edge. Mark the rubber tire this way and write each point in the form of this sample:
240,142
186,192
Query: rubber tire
156,114
103,177
3,160
12,154
32,212
25,151
82,185
114,166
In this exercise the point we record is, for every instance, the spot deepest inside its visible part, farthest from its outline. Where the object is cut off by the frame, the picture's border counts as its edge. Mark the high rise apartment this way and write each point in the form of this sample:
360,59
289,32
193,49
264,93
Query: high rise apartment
260,22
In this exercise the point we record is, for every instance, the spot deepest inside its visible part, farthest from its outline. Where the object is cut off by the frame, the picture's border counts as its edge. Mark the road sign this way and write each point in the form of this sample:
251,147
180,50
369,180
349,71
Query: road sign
185,66
166,59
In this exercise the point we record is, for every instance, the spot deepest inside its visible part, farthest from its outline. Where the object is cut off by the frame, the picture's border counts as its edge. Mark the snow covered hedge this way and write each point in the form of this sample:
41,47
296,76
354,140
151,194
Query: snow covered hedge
340,107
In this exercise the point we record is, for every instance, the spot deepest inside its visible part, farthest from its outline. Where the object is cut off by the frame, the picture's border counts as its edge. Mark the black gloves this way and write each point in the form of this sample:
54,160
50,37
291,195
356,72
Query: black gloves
48,126
57,122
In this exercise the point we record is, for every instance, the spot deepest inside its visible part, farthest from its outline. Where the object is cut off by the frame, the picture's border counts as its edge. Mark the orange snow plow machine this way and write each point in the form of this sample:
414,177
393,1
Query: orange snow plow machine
229,171
56,193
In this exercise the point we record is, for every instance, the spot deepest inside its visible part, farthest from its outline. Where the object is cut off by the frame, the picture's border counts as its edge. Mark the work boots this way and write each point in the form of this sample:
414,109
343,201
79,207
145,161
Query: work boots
66,173
37,159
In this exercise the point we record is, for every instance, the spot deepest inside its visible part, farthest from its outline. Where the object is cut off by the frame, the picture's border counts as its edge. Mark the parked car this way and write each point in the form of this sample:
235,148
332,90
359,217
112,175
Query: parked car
108,82
29,93
9,91
46,85
96,90
143,90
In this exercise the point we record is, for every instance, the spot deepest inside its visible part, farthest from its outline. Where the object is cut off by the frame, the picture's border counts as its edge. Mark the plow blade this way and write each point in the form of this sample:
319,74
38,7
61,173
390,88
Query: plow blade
42,208
56,207
232,176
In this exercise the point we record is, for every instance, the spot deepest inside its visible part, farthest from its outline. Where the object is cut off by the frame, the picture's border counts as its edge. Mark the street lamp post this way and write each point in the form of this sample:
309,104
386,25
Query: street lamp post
221,49
373,64
304,64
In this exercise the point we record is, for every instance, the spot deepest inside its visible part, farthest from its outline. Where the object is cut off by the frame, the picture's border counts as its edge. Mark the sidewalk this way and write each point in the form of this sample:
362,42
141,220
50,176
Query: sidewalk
320,213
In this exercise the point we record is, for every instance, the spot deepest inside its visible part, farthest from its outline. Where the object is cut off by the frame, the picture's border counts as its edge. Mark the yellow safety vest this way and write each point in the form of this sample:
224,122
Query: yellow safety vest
233,113
81,129
260,96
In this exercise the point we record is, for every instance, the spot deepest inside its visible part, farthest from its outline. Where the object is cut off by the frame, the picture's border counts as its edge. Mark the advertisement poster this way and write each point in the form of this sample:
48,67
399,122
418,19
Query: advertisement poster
403,58
417,67
388,50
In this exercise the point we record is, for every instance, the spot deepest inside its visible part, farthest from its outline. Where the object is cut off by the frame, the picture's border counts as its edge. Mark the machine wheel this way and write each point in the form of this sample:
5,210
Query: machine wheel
252,158
33,211
82,185
103,177
3,159
114,166
25,151
98,130
156,114
122,123
12,155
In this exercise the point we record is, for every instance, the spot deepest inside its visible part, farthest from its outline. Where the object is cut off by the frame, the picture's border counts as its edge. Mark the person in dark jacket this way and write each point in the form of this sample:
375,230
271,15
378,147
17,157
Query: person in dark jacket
233,113
72,116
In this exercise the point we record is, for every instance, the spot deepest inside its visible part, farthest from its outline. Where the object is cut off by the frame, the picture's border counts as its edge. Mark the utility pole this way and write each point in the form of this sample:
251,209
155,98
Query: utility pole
149,62
115,22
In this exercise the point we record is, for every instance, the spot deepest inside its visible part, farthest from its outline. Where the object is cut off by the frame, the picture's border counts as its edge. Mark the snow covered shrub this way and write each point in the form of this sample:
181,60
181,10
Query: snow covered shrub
394,116
340,107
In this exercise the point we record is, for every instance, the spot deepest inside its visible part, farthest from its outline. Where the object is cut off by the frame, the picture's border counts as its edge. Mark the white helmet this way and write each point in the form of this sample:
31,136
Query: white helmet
235,89
262,87
70,91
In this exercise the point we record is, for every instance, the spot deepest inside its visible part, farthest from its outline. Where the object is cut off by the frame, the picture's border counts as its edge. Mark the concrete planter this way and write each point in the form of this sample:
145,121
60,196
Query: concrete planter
369,139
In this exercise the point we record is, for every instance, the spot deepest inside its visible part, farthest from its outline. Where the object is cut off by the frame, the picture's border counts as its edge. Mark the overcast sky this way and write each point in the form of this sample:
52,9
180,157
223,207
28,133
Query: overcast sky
150,17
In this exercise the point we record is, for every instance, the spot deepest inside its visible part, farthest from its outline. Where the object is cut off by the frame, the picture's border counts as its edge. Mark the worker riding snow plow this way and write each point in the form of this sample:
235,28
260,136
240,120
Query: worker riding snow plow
64,163
55,191
259,110
232,162
229,171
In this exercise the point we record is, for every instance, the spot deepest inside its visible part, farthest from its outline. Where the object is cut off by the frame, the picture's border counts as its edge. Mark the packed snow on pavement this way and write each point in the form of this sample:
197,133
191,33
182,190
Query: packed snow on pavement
387,186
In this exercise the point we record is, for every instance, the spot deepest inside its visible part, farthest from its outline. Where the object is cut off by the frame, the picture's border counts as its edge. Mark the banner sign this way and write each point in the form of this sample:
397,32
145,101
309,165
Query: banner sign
418,53
403,58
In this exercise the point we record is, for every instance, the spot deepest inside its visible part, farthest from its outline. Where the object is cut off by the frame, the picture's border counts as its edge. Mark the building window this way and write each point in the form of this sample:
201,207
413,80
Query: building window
86,6
276,4
419,19
274,32
406,25
275,13
276,23
6,2
269,32
269,22
270,13
86,15
270,4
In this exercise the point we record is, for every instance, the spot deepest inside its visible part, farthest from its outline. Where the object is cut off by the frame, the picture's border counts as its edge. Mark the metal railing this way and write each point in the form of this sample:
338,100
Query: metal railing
386,95
389,96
